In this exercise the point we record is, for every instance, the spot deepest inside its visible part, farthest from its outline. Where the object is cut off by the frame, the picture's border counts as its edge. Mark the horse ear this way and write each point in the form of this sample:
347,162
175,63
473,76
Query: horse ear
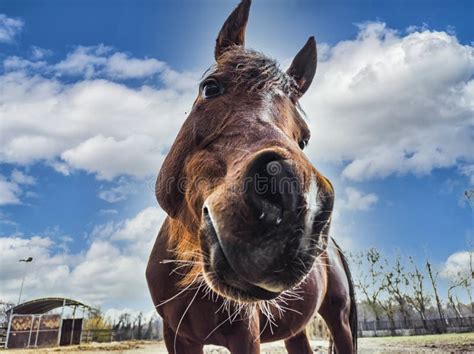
233,31
303,66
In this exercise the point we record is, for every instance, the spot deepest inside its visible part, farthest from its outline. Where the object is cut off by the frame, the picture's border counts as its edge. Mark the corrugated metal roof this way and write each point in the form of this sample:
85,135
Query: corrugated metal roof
44,305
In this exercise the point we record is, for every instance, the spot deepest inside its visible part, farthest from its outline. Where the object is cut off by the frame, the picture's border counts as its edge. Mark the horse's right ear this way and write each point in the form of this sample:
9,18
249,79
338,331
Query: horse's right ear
233,30
303,66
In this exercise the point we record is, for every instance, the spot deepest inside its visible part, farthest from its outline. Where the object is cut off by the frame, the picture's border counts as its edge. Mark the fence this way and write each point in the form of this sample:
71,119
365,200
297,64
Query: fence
97,335
33,330
150,331
3,336
415,327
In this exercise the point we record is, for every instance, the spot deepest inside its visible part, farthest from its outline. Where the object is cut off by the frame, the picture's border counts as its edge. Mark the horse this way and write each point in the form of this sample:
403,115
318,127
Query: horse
244,256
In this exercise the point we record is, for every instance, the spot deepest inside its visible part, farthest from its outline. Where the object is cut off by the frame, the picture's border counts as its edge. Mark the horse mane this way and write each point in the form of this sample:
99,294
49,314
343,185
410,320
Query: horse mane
253,71
185,248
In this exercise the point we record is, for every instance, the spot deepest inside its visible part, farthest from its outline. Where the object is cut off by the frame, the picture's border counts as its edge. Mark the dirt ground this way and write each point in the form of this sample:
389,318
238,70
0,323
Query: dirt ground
446,343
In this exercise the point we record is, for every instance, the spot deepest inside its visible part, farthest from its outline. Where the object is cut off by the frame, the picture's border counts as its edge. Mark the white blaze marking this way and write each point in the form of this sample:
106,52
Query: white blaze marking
266,109
313,205
213,220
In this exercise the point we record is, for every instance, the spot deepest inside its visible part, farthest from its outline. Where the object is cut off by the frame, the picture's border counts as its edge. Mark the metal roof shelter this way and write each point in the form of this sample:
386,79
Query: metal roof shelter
30,325
40,306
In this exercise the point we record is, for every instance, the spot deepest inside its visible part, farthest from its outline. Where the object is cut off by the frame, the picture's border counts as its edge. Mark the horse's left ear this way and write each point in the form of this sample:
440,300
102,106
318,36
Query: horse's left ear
303,66
233,30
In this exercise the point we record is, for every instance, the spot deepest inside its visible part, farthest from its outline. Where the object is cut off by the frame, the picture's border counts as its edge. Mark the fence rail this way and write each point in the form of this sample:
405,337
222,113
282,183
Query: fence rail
412,327
97,335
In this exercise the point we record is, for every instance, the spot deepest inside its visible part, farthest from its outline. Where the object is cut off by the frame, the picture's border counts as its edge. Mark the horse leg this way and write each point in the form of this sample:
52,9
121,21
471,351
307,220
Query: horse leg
178,346
298,344
337,320
339,308
238,345
245,337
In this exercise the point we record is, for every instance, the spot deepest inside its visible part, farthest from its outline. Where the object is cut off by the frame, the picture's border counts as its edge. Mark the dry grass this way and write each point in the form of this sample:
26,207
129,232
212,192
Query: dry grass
445,343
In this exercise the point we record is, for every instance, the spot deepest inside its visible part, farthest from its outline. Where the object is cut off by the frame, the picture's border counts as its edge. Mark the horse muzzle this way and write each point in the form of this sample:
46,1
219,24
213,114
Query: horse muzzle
263,239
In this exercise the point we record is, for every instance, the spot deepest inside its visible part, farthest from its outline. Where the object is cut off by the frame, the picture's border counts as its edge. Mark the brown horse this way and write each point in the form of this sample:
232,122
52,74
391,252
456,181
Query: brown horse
244,255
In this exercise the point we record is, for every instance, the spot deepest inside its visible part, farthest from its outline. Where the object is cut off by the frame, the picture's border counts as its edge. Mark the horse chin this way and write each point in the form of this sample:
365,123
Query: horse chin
225,281
251,294
230,285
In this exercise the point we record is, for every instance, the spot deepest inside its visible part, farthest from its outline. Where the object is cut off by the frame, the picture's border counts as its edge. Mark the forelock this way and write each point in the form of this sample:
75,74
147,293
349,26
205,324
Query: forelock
252,71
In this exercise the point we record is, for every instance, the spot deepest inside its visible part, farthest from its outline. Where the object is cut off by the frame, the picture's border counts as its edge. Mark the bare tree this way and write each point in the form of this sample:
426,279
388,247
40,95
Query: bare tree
434,283
149,330
457,282
389,307
418,299
370,280
469,194
95,320
139,327
4,307
395,283
469,278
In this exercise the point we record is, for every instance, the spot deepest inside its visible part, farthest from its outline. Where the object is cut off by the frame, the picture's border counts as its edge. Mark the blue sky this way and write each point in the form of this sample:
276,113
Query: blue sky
93,95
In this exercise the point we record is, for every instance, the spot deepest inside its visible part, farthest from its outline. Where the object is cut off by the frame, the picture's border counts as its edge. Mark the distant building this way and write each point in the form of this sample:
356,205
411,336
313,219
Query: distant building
31,324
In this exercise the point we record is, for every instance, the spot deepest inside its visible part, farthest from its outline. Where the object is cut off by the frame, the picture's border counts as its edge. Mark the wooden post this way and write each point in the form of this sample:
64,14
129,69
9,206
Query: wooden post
31,329
82,326
38,330
9,328
61,323
72,326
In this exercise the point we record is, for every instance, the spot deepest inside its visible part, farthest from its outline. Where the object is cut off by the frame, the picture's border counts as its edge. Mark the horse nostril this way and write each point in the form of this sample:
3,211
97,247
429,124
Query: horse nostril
269,181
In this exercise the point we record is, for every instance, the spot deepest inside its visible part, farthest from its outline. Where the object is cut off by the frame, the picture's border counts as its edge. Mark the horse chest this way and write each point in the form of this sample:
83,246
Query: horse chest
198,317
298,312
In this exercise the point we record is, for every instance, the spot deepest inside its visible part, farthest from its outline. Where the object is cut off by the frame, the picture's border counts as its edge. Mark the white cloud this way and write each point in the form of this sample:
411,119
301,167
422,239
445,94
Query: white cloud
354,199
9,28
84,61
101,61
135,155
38,53
108,211
379,104
120,191
468,171
9,192
414,28
98,61
342,230
141,229
51,269
110,271
16,63
456,264
19,177
392,104
121,66
99,126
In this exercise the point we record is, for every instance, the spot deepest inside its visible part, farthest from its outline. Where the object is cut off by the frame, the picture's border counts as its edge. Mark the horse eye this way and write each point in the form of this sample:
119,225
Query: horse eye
303,143
211,88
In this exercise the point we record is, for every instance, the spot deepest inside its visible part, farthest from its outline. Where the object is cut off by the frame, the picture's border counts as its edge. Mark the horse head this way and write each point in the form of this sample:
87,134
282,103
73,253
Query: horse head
246,205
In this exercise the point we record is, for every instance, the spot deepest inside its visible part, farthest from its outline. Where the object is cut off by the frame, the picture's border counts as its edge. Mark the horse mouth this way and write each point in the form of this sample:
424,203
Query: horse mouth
222,277
226,281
